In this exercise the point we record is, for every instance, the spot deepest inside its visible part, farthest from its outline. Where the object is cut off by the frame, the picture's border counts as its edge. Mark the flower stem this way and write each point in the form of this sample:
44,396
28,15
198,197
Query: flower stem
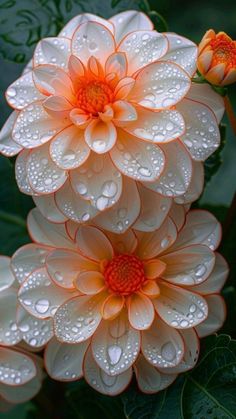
230,113
13,219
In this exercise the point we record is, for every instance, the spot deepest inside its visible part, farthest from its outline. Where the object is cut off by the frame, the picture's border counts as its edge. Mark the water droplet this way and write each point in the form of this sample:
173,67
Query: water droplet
168,351
109,189
114,353
42,306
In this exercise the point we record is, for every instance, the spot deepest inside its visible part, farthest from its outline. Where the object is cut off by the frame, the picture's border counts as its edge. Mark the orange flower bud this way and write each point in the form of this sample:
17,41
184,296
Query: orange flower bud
217,58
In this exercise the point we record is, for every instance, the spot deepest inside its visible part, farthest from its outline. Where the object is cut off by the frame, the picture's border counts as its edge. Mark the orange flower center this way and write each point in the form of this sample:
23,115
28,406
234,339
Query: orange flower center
124,274
93,96
224,51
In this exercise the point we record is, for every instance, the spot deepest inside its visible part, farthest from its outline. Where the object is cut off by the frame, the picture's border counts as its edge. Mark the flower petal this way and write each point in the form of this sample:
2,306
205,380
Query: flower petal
6,276
154,268
93,243
34,126
43,174
162,345
142,48
42,231
55,51
196,185
100,136
64,362
68,148
23,92
115,354
47,206
124,213
117,63
8,147
140,311
130,21
154,210
202,135
92,39
51,80
149,379
137,159
74,23
160,85
177,214
27,259
215,318
124,242
9,332
64,266
21,173
156,127
183,52
73,206
20,393
98,181
190,265
112,306
102,382
77,319
90,282
215,281
21,366
204,93
153,243
180,308
40,296
35,332
201,227
123,112
150,288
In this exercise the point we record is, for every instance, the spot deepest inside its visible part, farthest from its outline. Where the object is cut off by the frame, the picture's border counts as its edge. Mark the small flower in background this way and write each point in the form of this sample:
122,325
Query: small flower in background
121,303
107,105
217,58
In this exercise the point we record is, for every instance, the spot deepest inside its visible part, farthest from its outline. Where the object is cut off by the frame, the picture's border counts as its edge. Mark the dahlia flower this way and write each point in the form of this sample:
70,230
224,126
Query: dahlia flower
109,106
20,371
136,301
217,58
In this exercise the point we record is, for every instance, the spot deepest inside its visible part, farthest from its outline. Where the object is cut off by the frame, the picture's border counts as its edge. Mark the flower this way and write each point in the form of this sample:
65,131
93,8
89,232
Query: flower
217,58
138,300
20,371
107,107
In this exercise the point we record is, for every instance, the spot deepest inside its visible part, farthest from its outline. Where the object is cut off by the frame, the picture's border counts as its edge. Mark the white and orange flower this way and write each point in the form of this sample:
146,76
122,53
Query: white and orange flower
20,371
137,300
107,105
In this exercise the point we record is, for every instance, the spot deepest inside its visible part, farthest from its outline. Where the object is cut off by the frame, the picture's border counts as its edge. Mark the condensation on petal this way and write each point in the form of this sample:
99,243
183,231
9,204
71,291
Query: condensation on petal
54,51
6,276
21,173
69,29
16,368
35,332
183,52
9,332
130,21
48,208
23,92
8,147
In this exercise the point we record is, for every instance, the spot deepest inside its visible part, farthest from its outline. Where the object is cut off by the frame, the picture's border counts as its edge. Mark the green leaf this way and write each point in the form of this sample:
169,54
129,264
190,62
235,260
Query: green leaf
213,162
208,391
159,22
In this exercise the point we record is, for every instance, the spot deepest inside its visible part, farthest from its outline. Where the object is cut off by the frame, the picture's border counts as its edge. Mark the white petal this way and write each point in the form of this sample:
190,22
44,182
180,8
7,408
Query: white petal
203,92
177,214
137,159
153,243
196,185
9,332
23,92
98,181
149,379
40,296
28,258
216,316
162,345
160,85
16,368
73,24
21,172
34,126
142,48
140,311
100,136
28,67
124,242
177,174
64,362
77,319
73,206
117,63
68,148
42,231
180,308
115,354
8,147
93,243
124,213
21,393
183,52
202,135
157,127
201,227
43,174
6,276
55,51
216,279
102,382
48,208
92,39
35,332
130,21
